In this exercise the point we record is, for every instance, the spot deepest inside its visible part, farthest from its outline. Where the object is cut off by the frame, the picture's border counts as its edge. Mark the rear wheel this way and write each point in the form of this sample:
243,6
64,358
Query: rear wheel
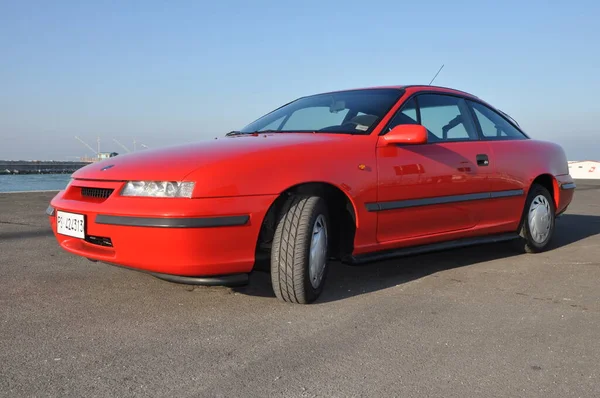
300,250
537,225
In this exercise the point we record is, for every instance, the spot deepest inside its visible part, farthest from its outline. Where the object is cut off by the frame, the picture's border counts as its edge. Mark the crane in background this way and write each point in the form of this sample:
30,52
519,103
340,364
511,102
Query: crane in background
103,155
98,155
123,146
134,145
89,147
142,145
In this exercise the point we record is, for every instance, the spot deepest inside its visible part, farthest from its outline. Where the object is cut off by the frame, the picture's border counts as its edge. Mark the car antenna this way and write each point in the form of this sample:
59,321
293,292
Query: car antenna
438,72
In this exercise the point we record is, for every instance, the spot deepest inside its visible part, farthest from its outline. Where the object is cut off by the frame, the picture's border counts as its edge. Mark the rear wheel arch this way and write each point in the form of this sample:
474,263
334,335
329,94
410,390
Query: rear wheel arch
341,209
549,182
538,220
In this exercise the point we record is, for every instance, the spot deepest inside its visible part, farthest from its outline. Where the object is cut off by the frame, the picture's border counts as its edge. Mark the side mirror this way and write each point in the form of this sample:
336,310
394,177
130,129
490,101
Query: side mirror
406,134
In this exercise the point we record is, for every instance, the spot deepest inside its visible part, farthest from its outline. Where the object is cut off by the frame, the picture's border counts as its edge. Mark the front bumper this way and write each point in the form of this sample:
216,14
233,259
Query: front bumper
184,237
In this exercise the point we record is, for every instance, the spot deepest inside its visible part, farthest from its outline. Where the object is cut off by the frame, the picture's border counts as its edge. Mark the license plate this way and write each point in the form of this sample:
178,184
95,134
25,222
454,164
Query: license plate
70,224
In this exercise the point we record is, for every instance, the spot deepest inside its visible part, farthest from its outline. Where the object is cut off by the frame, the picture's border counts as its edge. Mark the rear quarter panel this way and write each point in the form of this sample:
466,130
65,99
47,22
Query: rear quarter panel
522,161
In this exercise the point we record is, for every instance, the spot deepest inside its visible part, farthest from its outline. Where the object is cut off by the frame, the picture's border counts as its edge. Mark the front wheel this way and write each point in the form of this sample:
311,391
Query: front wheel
537,225
300,250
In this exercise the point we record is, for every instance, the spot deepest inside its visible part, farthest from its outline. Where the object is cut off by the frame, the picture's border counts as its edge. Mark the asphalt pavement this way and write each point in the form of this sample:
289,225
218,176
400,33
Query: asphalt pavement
476,322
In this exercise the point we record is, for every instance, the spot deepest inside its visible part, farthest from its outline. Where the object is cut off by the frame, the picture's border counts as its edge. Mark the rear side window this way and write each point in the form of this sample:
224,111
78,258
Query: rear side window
493,126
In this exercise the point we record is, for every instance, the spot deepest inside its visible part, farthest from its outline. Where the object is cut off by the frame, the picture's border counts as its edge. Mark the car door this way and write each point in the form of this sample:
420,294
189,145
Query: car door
509,146
436,187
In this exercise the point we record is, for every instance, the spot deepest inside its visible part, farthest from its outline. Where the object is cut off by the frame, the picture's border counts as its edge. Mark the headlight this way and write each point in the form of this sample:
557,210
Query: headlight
158,189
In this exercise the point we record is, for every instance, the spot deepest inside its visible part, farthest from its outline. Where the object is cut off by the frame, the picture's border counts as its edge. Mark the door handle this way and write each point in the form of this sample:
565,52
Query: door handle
482,160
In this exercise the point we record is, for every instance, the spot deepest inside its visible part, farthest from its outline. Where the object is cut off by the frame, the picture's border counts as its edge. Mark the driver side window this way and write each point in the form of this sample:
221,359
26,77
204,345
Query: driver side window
447,118
406,115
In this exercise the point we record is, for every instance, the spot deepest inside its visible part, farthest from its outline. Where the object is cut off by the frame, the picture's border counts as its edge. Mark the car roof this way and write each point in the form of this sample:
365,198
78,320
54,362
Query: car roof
415,87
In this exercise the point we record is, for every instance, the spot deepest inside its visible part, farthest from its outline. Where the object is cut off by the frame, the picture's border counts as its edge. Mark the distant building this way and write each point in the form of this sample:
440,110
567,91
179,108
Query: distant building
585,169
98,157
106,155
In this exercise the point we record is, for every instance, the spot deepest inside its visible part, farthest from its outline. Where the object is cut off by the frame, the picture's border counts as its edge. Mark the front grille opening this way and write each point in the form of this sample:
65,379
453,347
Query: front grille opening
99,240
101,193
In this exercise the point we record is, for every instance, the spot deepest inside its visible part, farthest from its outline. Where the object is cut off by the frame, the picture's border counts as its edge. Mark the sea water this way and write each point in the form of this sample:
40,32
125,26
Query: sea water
33,182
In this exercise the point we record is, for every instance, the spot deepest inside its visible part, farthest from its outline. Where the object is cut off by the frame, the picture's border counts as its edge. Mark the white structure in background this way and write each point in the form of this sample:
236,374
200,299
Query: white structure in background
586,169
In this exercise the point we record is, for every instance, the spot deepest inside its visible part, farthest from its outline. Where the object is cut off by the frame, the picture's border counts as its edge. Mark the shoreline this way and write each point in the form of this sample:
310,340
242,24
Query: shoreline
36,191
27,167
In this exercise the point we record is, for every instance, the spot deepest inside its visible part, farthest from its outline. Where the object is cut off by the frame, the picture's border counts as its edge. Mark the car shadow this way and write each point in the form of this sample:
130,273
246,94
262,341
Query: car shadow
345,281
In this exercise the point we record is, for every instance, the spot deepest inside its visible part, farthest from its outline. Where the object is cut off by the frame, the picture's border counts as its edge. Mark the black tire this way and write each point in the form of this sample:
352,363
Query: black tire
290,273
528,241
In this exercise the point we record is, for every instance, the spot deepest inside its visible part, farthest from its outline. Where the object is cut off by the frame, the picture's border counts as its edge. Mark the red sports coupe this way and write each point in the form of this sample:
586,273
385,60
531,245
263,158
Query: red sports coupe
353,176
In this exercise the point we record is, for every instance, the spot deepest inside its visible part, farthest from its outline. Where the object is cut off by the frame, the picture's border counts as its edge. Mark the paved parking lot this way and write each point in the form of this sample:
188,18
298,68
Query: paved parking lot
477,322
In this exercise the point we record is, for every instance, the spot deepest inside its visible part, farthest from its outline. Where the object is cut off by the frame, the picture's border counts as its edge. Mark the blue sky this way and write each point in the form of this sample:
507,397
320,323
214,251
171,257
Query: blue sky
176,72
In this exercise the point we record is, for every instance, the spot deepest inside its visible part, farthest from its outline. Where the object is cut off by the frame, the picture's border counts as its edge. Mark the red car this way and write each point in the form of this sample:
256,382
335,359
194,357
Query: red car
354,176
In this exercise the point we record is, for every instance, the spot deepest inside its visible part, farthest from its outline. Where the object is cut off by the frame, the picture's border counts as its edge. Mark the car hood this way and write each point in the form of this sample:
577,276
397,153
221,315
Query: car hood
175,163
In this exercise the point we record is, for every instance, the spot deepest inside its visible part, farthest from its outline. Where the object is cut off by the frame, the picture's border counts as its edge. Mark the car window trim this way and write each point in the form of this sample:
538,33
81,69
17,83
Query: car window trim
470,113
465,97
417,108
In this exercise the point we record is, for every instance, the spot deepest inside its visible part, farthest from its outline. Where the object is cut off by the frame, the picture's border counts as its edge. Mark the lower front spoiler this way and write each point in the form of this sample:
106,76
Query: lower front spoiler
222,280
231,280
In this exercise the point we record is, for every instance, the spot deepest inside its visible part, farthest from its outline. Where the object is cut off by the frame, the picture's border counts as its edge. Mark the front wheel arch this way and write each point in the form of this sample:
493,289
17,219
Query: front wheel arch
341,208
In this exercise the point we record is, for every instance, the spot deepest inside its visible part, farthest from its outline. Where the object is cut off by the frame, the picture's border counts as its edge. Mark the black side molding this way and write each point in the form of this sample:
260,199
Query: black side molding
440,246
438,200
173,222
506,194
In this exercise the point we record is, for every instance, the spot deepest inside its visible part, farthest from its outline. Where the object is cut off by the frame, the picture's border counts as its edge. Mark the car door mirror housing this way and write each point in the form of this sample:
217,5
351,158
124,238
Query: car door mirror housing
406,134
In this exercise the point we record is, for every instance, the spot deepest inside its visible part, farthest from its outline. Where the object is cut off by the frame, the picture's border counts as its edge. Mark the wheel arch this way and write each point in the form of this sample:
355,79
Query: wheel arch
549,182
342,211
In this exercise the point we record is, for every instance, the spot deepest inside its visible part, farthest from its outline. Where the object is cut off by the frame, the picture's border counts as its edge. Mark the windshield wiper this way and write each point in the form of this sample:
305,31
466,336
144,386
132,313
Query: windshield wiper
233,133
303,131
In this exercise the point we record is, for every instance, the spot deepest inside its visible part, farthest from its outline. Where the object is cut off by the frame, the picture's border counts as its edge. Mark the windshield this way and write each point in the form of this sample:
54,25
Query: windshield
350,112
